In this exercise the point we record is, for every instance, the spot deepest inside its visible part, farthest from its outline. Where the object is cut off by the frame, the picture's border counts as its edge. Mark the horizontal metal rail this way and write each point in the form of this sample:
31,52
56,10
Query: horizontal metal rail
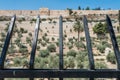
52,73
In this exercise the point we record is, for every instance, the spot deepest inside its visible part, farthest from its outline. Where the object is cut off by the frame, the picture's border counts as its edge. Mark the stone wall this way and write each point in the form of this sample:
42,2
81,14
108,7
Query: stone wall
55,13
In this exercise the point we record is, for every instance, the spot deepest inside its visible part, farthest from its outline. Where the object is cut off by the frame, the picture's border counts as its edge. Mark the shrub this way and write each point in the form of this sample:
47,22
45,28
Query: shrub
25,31
70,30
2,34
39,40
6,29
65,35
82,38
72,53
30,34
79,45
43,43
1,45
33,20
82,56
100,65
106,44
71,40
44,38
51,48
28,40
43,19
47,40
44,53
100,28
38,48
17,61
22,30
23,50
20,35
17,40
57,43
69,62
45,34
11,49
54,22
70,46
53,38
53,62
111,58
25,62
101,48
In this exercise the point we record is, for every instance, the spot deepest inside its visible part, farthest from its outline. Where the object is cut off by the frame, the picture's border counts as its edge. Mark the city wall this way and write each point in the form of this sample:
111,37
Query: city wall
54,13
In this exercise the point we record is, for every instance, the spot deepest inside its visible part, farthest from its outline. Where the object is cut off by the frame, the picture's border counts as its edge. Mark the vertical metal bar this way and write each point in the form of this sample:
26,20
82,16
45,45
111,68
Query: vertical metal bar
7,41
114,41
34,45
60,44
89,47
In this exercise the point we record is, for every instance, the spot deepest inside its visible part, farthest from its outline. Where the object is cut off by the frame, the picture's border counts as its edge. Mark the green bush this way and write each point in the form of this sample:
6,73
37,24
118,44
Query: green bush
47,40
45,34
106,44
43,44
72,53
44,53
28,40
3,34
43,19
22,30
51,48
69,62
38,48
53,62
33,20
39,40
57,43
30,34
20,35
79,45
11,49
70,46
44,38
100,65
65,35
23,50
71,40
70,30
82,56
82,38
17,61
101,48
53,38
100,28
1,45
111,58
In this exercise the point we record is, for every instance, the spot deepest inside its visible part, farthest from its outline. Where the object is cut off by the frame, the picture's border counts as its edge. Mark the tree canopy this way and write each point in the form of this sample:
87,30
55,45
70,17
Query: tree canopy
100,28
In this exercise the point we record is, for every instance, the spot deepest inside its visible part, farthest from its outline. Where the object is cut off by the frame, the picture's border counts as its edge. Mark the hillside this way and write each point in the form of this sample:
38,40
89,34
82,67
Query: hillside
47,53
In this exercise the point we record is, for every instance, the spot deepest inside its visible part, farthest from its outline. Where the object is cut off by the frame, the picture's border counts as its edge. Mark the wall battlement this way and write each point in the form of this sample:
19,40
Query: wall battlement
54,13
